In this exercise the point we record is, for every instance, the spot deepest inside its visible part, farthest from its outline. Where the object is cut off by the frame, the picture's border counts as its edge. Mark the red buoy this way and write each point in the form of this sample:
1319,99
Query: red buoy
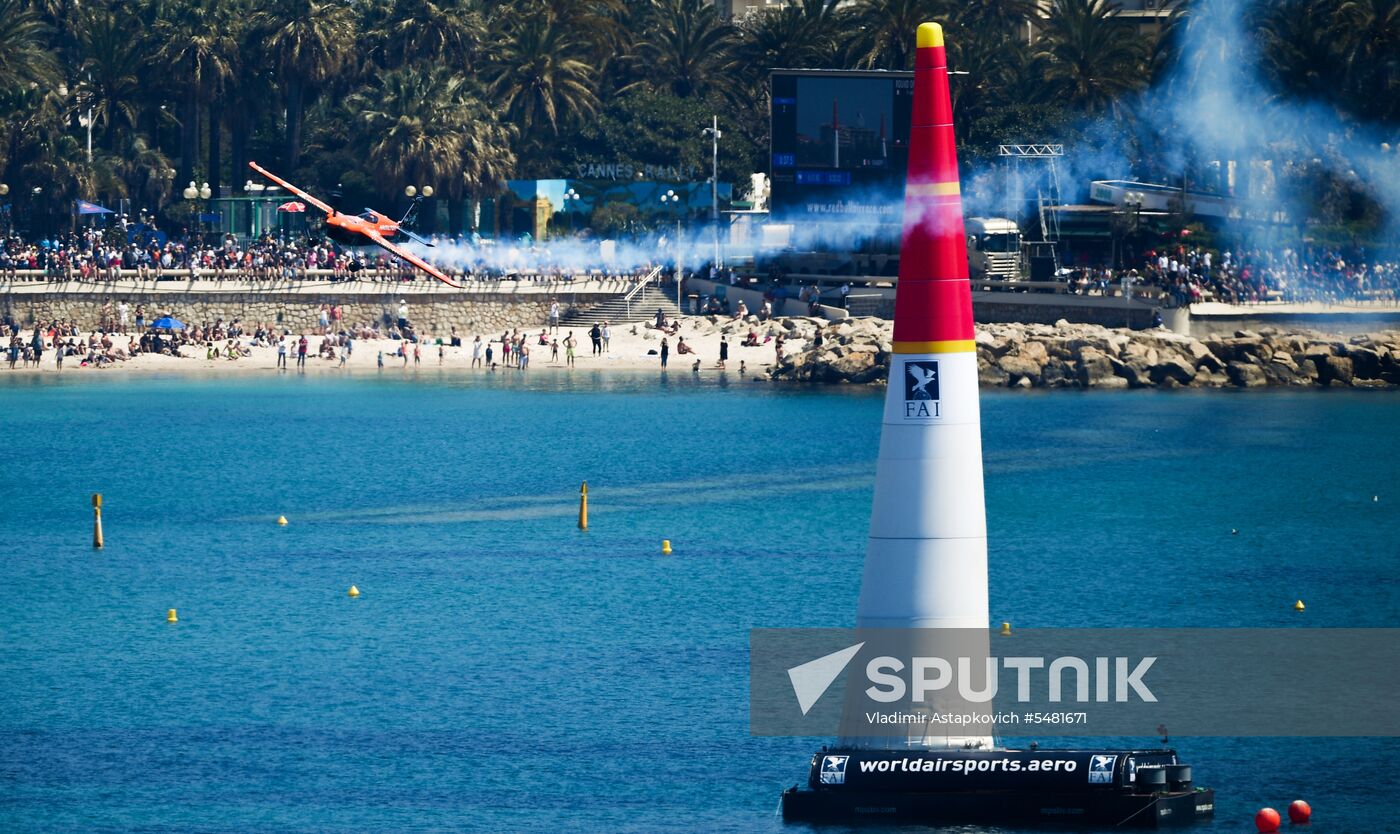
1267,820
1299,812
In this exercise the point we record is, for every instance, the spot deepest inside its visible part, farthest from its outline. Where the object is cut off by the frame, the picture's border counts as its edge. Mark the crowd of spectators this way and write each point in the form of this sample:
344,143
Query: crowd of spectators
1253,276
90,255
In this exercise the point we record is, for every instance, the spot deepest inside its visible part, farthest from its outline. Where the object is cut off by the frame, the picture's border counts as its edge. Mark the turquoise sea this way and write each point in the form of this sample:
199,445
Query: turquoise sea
504,672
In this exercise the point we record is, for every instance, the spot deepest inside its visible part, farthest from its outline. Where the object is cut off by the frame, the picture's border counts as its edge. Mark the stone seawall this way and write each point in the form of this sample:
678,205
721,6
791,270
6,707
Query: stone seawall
485,309
1065,355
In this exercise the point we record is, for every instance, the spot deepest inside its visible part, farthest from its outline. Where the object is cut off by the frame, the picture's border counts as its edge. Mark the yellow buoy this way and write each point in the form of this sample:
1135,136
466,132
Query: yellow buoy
1298,606
282,520
583,506
353,592
1006,629
665,547
97,520
170,616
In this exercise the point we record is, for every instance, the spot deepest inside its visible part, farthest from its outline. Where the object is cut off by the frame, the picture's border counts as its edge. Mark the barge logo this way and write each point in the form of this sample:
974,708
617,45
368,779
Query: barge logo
921,388
1101,770
834,770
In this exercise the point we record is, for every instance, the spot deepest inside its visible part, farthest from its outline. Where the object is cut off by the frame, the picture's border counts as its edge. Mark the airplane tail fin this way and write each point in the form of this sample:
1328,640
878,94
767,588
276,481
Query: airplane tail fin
410,217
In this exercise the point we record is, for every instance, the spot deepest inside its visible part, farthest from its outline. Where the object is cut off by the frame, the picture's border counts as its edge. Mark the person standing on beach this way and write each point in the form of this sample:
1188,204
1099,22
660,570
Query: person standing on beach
554,351
140,317
439,353
569,343
37,342
282,352
505,348
524,356
554,315
122,310
596,334
301,352
476,351
488,353
417,354
723,351
607,334
403,314
58,354
665,352
381,360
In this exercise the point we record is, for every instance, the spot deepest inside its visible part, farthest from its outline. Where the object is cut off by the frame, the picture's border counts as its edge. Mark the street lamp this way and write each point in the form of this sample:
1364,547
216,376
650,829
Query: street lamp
671,198
570,199
714,132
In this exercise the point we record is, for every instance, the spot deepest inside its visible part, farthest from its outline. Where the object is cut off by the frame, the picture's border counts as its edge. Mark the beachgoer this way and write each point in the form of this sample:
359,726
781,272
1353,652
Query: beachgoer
554,315
282,352
301,351
607,335
569,343
665,352
595,333
476,351
381,360
723,351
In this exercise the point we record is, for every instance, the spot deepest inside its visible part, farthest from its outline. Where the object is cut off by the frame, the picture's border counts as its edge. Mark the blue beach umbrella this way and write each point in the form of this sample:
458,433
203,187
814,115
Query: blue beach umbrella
167,323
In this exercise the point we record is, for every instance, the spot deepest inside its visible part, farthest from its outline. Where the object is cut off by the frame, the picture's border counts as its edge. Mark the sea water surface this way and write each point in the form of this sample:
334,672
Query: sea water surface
503,671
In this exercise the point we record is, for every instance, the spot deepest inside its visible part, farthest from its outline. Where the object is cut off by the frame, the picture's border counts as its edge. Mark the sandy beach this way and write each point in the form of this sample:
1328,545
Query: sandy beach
627,351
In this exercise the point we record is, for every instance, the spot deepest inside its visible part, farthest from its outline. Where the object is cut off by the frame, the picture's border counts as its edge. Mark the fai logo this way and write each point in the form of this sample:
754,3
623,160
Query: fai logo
1101,770
921,388
834,770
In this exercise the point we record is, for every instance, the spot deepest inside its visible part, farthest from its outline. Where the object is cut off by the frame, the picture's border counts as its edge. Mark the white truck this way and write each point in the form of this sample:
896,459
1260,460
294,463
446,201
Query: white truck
993,248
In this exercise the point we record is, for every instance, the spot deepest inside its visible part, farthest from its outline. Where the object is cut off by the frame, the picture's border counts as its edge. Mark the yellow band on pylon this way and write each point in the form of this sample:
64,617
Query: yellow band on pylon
953,346
933,189
930,34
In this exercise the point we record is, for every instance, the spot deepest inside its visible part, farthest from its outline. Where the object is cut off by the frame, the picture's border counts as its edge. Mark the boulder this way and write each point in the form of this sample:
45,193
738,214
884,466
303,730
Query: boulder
1211,363
1135,371
1096,370
1176,369
1021,367
1023,382
1365,362
1056,374
1246,375
1280,373
1034,351
1336,369
992,377
855,366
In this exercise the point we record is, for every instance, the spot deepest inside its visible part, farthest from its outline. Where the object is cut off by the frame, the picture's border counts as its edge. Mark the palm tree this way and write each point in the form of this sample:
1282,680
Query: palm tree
412,122
447,32
540,76
110,73
685,48
1093,59
1368,32
24,56
196,46
308,41
792,37
488,160
884,30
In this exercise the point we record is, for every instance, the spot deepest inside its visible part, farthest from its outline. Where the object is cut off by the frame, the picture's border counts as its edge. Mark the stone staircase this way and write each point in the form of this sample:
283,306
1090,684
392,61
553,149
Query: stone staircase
642,308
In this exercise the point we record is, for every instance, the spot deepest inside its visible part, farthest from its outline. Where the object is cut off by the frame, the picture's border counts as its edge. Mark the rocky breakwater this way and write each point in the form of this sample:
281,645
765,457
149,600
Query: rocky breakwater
1065,355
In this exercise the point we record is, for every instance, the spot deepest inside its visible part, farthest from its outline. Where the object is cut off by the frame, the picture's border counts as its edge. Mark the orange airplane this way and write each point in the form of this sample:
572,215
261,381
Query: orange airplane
366,228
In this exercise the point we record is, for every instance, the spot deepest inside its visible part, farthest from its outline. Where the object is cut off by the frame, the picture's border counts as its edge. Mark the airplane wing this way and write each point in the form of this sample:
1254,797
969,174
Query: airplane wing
411,258
292,188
